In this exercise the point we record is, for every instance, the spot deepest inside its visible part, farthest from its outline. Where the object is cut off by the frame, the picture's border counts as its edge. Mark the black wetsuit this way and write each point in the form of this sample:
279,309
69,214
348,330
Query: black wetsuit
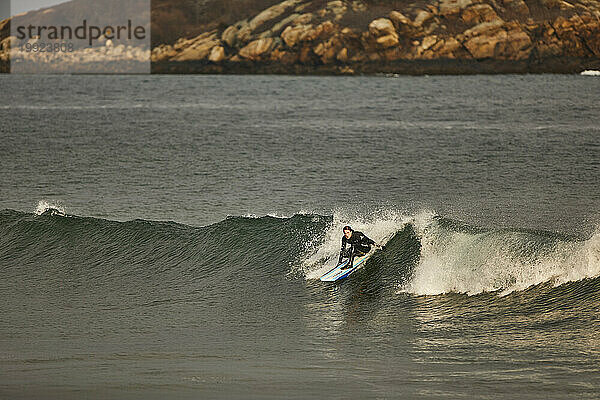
359,244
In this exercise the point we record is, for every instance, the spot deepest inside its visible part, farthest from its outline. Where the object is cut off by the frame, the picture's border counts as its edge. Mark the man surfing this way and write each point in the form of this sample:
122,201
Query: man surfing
359,243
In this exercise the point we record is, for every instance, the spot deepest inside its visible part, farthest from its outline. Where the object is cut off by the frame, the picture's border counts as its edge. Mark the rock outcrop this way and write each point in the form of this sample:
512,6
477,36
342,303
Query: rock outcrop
354,36
295,33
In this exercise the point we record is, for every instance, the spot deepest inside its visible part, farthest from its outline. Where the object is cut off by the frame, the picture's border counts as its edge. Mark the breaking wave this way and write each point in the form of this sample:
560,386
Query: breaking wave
424,254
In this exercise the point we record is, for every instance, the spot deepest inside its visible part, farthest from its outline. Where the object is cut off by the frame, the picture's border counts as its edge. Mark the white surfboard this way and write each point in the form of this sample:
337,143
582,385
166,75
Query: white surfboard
338,273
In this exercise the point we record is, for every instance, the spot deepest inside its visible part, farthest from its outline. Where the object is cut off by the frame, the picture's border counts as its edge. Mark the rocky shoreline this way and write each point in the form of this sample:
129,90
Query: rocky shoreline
348,37
556,65
441,37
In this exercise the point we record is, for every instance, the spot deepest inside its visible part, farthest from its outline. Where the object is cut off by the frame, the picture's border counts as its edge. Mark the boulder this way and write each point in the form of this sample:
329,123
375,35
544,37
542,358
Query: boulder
422,17
338,8
491,40
368,42
229,35
256,48
268,15
384,33
197,51
302,7
478,13
485,46
450,45
304,19
5,49
324,29
247,32
404,26
399,19
484,28
428,41
320,49
342,55
387,40
382,27
358,56
196,41
217,54
327,51
518,45
589,32
517,6
576,37
294,34
452,7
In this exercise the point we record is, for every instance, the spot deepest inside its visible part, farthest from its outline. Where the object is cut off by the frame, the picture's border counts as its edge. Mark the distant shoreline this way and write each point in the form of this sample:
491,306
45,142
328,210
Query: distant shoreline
559,65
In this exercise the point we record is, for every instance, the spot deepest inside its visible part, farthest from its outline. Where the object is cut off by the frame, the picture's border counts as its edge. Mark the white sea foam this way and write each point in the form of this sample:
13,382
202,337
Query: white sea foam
503,261
273,214
590,72
44,205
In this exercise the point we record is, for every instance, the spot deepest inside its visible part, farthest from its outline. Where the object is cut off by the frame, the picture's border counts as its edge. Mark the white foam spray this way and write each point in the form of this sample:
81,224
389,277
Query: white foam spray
590,72
44,205
497,261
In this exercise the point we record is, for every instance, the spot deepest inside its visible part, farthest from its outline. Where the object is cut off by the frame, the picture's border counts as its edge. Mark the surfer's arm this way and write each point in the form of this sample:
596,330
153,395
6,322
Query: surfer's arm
366,240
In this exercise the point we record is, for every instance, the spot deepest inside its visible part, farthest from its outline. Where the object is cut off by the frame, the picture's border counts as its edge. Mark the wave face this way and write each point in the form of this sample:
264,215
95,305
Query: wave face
34,245
424,254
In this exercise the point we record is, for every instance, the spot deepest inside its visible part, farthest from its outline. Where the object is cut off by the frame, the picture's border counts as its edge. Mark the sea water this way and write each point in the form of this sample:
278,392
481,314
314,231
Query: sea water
163,236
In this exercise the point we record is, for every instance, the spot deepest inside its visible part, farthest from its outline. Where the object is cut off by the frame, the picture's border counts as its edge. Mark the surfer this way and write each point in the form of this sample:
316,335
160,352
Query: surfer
359,243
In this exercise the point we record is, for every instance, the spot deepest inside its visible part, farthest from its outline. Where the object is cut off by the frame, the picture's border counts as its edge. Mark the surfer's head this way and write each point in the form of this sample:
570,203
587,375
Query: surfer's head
347,231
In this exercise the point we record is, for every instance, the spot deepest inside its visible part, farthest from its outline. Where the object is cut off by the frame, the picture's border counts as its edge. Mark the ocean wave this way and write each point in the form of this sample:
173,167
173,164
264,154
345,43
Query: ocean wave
461,259
424,254
454,257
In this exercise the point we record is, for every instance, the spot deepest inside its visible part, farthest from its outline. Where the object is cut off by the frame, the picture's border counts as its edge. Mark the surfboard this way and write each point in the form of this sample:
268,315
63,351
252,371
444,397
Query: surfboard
337,273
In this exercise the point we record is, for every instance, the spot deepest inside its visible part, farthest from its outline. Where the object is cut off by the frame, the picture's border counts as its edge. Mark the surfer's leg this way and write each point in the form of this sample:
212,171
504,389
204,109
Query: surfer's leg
348,252
352,253
360,250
